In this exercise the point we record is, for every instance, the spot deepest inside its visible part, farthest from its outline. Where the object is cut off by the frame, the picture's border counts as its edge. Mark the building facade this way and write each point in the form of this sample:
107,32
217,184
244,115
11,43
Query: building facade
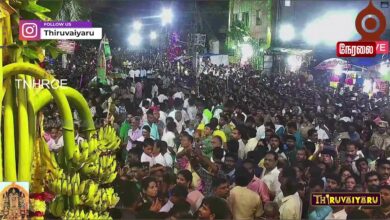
256,15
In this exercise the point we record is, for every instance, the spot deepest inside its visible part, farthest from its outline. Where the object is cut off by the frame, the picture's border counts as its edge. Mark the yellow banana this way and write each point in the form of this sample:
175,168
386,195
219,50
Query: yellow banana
57,186
82,187
90,215
110,159
73,179
84,145
76,156
53,160
75,189
52,208
82,214
88,168
84,156
115,200
60,207
69,189
111,178
113,167
101,134
92,189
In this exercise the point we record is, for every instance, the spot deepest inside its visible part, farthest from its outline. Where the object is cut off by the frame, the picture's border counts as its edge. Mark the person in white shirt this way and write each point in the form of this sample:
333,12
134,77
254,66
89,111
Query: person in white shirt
177,195
260,128
56,141
252,142
143,73
166,152
158,157
270,175
179,115
162,98
132,74
137,73
169,136
236,135
179,95
192,110
150,154
337,213
155,90
322,130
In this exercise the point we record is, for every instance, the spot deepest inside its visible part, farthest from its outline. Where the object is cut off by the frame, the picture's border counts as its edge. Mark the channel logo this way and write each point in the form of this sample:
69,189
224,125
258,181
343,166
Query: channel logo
34,30
345,199
28,31
370,24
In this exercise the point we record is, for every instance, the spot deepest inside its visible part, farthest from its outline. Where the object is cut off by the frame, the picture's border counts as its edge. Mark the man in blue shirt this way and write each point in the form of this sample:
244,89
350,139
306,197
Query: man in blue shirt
153,126
317,212
292,130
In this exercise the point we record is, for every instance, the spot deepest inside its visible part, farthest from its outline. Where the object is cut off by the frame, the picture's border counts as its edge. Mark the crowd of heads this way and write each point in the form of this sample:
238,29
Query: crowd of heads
243,145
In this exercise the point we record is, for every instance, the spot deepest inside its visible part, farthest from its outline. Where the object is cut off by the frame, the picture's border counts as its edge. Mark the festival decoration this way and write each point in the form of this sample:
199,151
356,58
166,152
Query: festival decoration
174,49
75,177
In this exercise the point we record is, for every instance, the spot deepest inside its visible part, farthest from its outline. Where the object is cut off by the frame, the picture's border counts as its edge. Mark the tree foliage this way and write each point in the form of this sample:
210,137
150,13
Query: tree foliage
238,30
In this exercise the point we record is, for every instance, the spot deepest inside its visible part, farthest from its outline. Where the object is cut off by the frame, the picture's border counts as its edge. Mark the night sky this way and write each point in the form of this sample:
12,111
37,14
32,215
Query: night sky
116,16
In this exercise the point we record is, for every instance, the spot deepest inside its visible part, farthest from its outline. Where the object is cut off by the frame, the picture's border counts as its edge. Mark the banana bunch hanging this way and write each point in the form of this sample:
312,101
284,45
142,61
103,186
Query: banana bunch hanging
108,140
100,199
80,214
77,182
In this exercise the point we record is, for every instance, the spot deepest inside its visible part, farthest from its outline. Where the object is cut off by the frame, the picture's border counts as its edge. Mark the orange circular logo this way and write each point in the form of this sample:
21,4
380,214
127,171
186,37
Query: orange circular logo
370,23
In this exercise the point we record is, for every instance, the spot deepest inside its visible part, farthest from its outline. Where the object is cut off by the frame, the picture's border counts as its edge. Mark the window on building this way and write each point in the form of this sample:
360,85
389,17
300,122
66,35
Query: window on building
287,3
259,21
245,18
384,4
235,17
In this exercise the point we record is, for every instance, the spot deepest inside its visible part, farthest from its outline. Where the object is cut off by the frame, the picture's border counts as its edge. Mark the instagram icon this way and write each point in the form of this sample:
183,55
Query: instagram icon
29,30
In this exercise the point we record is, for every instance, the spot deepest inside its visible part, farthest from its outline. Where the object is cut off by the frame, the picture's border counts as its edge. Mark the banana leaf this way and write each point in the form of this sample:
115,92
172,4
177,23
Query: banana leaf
53,5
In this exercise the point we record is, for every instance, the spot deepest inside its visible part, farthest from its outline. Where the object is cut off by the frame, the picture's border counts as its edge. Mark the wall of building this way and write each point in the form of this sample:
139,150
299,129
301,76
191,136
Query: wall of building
258,12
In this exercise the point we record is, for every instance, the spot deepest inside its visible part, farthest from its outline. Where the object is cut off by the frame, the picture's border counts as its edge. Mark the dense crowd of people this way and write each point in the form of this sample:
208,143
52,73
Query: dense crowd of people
231,143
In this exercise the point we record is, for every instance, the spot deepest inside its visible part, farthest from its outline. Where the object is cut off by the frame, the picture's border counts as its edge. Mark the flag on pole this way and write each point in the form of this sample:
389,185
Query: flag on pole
107,49
101,64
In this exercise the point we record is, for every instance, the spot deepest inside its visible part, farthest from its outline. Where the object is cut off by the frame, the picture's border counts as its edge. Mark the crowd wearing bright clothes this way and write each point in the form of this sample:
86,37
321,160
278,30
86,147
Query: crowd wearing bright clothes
238,144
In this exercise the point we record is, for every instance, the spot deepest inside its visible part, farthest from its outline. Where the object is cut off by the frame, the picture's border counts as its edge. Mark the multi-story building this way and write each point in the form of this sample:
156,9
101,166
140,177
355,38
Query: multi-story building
255,14
264,18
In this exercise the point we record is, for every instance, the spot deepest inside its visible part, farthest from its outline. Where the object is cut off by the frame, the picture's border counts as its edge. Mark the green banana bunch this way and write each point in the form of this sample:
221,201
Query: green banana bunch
57,207
95,215
85,152
75,201
108,140
65,185
102,199
75,214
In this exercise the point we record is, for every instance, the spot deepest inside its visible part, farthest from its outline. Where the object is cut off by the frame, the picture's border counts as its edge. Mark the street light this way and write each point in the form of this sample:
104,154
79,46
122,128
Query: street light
322,29
135,39
153,35
137,25
338,70
294,62
384,67
166,16
246,52
287,32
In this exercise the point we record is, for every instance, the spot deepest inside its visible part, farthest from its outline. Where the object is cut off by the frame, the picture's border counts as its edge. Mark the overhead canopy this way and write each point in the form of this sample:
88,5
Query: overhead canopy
300,52
331,63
